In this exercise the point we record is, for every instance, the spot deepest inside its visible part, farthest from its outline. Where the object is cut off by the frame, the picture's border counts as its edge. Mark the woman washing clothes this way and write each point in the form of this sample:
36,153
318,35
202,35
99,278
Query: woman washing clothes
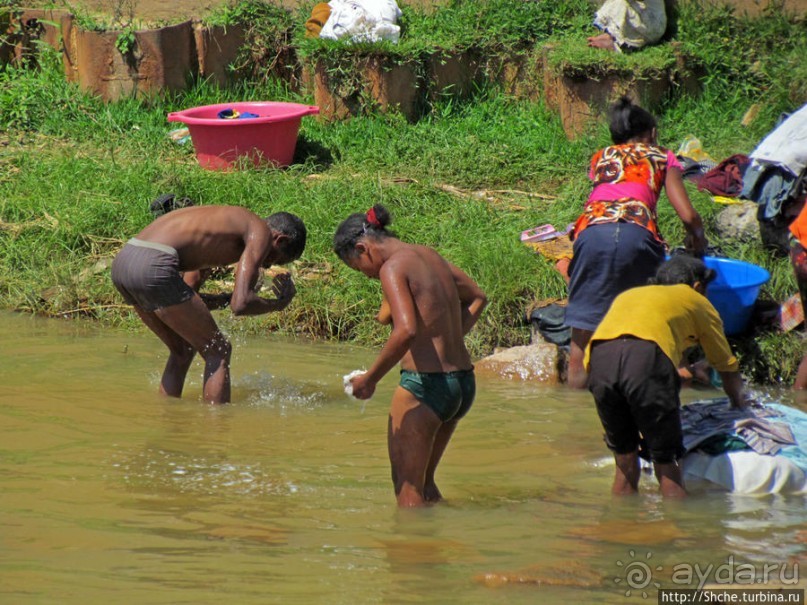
617,243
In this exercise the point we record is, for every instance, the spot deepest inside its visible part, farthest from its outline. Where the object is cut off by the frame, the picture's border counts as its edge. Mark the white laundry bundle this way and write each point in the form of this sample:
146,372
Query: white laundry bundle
362,21
348,385
786,146
633,23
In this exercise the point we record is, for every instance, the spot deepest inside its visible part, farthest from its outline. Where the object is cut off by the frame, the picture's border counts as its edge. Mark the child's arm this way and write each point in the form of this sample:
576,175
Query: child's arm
718,353
384,315
404,329
735,389
195,279
677,194
472,299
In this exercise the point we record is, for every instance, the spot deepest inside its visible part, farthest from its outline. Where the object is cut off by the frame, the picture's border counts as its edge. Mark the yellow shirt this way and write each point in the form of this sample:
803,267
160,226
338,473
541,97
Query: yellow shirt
674,317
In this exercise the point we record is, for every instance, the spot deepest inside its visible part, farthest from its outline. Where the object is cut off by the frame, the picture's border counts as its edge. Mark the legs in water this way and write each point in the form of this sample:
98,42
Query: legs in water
626,477
670,480
416,439
430,491
577,375
185,329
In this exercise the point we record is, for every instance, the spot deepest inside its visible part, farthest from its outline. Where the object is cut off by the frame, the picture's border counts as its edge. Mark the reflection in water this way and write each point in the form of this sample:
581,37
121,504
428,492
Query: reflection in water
113,494
158,471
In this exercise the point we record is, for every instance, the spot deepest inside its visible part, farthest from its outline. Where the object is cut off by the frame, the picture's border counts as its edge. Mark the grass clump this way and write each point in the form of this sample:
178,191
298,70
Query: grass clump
77,175
760,57
571,58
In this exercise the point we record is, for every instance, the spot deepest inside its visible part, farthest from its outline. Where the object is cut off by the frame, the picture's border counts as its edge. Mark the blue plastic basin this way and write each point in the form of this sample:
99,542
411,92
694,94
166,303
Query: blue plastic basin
734,291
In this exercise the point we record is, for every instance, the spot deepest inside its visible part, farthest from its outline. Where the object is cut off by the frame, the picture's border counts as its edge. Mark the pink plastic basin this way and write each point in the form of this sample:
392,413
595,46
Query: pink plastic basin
269,138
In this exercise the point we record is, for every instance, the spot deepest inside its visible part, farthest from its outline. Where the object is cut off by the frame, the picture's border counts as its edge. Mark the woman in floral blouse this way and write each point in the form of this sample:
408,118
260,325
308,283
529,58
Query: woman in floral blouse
617,243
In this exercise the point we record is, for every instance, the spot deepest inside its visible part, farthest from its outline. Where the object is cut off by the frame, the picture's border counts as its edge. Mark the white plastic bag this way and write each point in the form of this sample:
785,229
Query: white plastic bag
362,21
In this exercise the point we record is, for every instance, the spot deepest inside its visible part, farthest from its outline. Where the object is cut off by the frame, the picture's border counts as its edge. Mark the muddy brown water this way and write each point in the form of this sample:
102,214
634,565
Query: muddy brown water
111,494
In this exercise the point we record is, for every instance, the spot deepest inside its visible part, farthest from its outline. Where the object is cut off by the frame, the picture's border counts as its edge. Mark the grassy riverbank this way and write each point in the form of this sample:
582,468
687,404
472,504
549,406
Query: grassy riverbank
77,176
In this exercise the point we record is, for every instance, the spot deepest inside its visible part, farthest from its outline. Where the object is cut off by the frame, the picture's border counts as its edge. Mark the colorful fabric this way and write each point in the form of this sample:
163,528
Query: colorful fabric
315,23
799,227
554,249
633,170
763,429
232,114
674,317
615,211
726,178
791,312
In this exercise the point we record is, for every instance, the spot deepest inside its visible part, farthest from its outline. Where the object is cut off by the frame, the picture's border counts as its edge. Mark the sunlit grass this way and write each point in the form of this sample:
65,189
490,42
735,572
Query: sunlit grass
77,177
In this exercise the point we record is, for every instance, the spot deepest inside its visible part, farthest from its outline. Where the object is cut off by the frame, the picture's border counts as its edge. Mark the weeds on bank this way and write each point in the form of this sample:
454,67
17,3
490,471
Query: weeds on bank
100,166
76,178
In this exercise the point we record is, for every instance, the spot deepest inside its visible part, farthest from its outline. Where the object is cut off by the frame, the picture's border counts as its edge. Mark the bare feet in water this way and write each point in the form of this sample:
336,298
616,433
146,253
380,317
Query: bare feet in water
604,40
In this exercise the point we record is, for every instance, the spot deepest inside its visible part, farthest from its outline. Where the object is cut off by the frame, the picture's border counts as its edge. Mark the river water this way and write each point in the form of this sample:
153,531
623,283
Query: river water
112,494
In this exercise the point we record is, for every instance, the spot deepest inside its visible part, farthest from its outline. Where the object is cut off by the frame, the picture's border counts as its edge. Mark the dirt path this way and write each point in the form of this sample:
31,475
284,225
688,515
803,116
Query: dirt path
147,10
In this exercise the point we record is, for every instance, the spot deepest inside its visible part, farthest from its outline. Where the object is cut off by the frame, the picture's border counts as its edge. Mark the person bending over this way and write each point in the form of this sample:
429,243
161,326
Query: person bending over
154,272
632,359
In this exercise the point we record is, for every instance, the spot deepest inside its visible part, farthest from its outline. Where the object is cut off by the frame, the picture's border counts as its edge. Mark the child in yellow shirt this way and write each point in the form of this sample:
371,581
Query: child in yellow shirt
632,361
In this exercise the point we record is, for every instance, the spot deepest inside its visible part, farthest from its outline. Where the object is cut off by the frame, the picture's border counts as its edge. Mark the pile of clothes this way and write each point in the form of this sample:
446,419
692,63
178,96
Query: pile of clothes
355,20
761,449
773,175
632,24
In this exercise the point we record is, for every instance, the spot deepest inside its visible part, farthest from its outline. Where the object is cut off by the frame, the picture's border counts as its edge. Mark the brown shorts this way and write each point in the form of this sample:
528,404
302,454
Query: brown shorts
147,275
636,386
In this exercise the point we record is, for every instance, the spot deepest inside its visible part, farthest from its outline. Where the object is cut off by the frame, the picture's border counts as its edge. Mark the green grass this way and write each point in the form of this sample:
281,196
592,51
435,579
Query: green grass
77,176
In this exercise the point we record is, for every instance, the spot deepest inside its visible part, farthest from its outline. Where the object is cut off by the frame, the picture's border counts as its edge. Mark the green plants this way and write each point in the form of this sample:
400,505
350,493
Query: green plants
442,53
77,175
265,32
10,30
580,82
126,40
125,57
760,56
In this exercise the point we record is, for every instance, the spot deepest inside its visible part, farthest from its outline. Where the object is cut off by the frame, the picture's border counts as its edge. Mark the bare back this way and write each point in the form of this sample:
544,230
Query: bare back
438,345
209,236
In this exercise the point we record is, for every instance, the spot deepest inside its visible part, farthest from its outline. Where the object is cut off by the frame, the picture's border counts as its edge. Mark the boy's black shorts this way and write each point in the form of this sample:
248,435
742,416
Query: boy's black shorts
636,386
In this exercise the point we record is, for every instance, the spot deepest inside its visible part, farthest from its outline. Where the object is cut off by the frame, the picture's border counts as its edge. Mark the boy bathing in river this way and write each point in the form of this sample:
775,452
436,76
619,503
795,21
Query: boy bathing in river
153,272
632,358
432,305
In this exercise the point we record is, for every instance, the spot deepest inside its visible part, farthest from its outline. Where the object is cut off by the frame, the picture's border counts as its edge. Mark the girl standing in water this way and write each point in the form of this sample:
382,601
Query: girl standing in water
432,305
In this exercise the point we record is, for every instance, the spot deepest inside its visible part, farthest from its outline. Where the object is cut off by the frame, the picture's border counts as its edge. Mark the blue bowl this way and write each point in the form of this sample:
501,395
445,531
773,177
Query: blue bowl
734,291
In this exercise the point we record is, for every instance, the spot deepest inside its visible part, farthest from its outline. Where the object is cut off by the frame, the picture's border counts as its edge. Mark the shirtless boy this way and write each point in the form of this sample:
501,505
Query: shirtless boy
432,305
153,272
